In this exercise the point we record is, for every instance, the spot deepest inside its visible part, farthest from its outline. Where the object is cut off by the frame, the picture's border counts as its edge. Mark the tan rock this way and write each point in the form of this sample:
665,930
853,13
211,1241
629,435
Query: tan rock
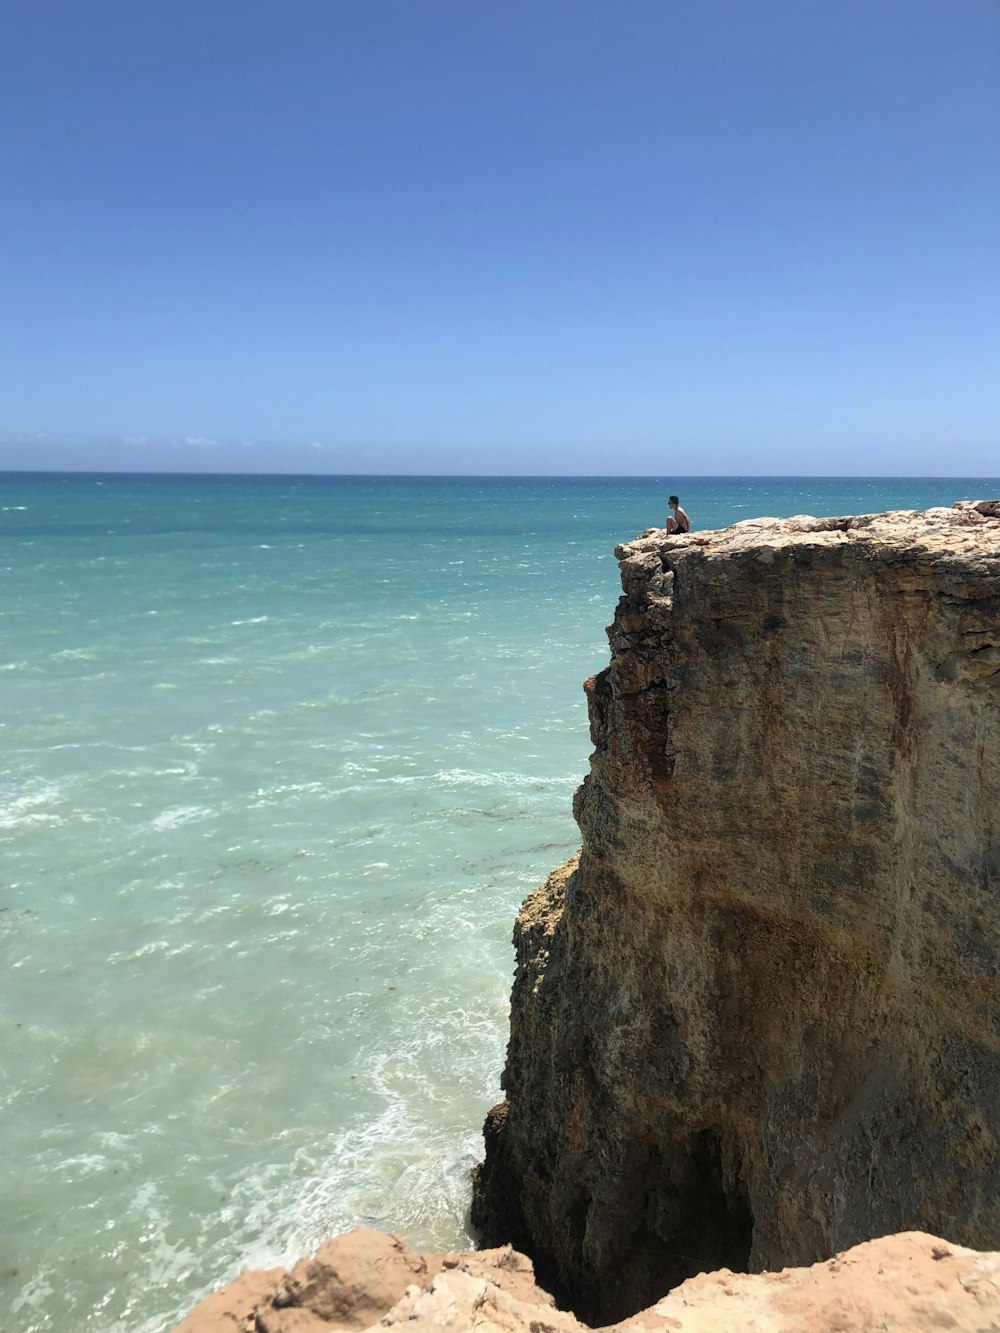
908,1284
366,1280
759,1020
901,1283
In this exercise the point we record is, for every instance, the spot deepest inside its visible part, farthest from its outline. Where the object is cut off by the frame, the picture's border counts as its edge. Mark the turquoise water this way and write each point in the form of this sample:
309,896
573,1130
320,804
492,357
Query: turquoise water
281,758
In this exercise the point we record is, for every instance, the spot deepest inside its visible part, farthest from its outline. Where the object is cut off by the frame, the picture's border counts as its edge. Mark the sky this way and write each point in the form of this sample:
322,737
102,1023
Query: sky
451,236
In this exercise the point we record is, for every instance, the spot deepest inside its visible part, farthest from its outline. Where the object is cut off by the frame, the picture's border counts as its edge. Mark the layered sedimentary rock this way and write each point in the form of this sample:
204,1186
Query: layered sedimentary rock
369,1281
756,1022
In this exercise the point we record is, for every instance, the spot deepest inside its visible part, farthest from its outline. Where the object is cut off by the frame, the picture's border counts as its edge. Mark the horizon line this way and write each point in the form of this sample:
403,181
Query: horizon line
500,476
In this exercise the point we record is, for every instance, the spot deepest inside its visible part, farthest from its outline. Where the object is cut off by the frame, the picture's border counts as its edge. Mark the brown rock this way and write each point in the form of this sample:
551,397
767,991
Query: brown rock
758,1021
228,1309
353,1280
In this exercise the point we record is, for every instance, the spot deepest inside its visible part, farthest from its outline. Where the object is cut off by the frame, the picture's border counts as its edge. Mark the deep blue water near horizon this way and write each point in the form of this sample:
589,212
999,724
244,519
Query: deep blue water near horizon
281,757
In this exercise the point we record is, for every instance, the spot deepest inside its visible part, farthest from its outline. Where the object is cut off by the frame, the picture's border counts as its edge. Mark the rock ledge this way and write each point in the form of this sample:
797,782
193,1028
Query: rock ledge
367,1281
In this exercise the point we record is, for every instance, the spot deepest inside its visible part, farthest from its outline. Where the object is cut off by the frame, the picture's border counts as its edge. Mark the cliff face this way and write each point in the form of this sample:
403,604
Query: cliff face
757,1021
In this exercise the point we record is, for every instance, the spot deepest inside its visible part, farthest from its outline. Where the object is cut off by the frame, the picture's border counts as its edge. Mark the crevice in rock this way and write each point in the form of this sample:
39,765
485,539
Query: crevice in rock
686,1212
693,1217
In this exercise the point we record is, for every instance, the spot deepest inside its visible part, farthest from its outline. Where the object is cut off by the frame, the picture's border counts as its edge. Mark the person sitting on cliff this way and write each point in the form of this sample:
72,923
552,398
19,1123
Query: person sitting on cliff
680,521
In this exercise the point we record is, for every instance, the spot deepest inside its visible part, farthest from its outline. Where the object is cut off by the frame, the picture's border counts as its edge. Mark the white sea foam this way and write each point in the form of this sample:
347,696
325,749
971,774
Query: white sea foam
179,815
29,806
460,777
83,1165
76,655
34,1293
145,951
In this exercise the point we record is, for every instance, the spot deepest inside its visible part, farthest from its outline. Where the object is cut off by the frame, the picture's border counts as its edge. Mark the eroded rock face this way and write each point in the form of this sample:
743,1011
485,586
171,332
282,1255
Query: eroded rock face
757,1021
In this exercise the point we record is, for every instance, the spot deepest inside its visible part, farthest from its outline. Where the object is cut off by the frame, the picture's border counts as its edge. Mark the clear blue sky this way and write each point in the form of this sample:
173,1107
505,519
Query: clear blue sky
633,236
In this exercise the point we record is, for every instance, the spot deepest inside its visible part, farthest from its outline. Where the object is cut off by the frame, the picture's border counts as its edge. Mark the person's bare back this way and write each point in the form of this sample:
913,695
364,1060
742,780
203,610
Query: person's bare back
679,521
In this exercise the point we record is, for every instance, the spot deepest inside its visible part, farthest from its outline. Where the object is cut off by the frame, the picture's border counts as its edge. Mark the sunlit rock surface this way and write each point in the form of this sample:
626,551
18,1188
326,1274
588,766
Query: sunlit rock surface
369,1281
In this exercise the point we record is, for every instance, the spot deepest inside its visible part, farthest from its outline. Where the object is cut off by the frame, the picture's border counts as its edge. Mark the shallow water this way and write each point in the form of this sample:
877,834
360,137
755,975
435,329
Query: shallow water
281,758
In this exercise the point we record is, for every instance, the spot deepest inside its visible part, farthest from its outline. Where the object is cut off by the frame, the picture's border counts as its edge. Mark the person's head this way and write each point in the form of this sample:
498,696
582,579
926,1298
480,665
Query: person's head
673,500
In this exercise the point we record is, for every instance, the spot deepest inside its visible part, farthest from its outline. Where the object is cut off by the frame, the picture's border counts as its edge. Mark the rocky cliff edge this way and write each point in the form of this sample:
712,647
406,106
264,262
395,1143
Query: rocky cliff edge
368,1281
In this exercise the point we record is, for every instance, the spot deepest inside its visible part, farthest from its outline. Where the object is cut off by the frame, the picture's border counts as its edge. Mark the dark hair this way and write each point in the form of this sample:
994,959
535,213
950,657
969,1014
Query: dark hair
672,500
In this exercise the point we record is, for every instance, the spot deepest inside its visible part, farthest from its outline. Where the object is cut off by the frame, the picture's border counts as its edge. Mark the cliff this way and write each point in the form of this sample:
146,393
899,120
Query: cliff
756,1022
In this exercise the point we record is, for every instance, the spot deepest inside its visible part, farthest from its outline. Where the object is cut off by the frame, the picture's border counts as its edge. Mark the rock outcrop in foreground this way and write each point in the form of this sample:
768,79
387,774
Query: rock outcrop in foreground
756,1022
368,1281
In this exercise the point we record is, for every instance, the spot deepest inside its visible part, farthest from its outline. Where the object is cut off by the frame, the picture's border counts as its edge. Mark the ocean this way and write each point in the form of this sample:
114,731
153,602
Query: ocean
281,757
